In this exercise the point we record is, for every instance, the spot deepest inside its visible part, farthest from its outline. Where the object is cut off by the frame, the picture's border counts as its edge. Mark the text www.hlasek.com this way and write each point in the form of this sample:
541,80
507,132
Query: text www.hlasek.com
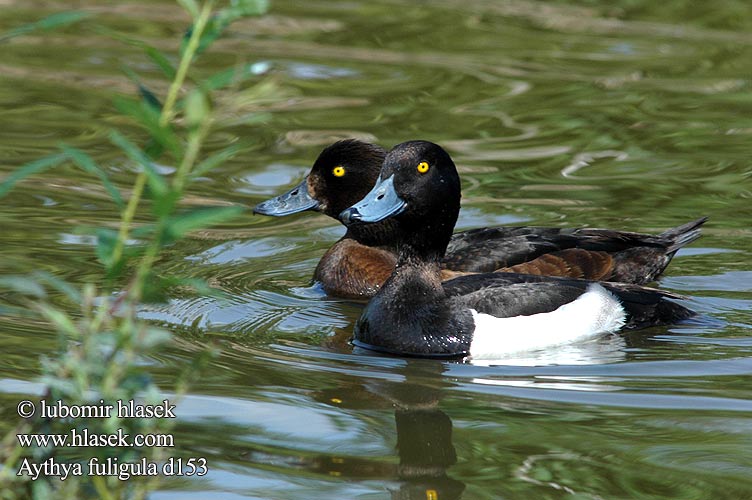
82,437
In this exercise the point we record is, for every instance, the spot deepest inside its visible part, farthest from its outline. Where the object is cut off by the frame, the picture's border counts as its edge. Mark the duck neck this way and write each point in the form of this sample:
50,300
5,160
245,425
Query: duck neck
425,240
417,275
416,278
382,234
419,257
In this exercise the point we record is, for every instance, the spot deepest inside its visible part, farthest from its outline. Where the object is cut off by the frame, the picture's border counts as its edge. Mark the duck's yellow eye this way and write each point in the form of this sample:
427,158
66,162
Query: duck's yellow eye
422,167
338,171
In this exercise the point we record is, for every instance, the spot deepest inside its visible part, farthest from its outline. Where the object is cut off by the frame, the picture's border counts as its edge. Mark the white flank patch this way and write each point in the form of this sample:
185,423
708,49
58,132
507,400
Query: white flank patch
595,312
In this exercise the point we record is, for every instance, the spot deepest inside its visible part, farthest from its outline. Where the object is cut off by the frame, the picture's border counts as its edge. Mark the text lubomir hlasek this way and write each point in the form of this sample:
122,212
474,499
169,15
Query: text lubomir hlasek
127,409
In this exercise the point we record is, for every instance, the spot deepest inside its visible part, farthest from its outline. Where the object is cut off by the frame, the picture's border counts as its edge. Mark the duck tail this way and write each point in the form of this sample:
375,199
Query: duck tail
683,235
649,306
663,312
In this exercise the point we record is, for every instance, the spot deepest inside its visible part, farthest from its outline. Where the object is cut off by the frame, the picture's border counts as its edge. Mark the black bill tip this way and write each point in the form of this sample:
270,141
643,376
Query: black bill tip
350,216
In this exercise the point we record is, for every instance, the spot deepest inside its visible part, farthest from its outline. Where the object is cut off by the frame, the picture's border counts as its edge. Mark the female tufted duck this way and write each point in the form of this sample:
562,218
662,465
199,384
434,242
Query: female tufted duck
484,316
359,263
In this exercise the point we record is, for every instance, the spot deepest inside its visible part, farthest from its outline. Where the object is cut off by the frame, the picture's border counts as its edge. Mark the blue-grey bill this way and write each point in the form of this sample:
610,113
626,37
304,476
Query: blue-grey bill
295,200
380,203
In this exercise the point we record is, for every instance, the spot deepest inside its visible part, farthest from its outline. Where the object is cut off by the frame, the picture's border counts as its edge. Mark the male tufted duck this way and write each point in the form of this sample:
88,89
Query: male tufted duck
484,316
359,263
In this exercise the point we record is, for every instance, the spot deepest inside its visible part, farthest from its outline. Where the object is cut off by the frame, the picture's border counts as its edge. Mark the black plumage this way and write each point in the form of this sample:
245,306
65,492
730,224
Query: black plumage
414,313
358,264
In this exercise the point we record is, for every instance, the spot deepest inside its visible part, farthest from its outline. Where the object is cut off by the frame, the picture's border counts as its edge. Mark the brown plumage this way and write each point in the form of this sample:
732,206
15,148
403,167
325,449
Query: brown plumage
353,270
572,262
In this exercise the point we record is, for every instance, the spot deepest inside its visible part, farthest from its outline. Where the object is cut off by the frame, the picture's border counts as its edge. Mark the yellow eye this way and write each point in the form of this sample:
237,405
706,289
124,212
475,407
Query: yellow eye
422,167
338,171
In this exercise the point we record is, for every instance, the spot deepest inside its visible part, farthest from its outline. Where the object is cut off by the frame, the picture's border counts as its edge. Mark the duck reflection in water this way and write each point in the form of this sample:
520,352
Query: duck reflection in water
424,434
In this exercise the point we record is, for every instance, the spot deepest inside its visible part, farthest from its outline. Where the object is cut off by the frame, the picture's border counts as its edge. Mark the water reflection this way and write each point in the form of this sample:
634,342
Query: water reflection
424,434
607,349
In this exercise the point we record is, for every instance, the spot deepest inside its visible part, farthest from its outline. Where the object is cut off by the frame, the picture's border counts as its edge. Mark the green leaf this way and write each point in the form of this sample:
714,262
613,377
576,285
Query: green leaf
153,148
196,109
153,291
149,98
61,320
244,8
156,182
61,19
235,75
59,388
204,217
19,312
191,6
157,56
161,61
31,168
87,163
154,337
58,284
147,112
213,30
219,22
106,242
215,160
50,22
23,285
165,205
115,270
143,232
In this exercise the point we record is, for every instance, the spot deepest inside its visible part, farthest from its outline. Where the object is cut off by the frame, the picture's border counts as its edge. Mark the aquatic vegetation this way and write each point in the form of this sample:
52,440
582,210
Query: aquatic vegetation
105,350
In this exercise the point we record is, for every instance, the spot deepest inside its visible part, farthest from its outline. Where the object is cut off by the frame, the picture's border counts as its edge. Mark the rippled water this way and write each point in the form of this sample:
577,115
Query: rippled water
627,114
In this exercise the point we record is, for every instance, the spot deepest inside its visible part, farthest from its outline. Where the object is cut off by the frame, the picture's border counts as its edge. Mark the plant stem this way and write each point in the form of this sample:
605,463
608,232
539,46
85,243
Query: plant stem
130,212
185,62
189,158
194,145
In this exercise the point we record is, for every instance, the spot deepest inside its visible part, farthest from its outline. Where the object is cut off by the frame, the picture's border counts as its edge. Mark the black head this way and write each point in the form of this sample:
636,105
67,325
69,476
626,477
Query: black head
342,174
420,189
